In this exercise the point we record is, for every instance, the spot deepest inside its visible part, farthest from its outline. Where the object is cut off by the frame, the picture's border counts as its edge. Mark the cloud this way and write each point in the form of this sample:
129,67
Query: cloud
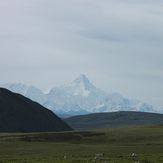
117,43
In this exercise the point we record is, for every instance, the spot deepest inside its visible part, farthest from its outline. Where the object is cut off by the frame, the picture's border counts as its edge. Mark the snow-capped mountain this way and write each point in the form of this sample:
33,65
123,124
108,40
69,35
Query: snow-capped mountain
29,91
79,97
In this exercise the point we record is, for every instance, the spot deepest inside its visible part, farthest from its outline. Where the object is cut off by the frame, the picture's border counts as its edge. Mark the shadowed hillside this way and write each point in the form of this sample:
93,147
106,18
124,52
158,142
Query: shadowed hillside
20,114
114,119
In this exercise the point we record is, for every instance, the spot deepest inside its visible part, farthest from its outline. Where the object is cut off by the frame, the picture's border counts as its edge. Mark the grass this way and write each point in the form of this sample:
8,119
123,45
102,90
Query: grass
116,144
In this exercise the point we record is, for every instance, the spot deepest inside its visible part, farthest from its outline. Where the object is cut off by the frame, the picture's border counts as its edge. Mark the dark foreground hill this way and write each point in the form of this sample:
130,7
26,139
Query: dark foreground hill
114,119
20,114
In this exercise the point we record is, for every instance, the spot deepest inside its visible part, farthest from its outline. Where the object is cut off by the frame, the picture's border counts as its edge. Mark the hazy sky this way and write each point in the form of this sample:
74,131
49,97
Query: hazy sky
118,44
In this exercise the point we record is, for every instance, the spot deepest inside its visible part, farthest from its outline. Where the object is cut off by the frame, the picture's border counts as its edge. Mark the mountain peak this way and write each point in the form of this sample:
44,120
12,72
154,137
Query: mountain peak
82,77
81,86
82,80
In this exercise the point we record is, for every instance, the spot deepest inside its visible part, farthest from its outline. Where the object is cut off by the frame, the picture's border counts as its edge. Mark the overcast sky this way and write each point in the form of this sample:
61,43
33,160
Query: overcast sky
118,44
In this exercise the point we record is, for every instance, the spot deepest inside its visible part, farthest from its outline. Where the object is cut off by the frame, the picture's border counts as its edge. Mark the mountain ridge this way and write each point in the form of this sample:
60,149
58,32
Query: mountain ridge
80,95
114,120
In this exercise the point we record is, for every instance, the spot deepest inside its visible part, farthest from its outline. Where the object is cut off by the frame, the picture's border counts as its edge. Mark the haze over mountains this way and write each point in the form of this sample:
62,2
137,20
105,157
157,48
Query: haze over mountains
79,97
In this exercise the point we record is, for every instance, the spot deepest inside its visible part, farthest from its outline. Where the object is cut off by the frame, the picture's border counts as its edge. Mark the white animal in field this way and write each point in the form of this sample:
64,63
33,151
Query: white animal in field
65,157
99,155
133,155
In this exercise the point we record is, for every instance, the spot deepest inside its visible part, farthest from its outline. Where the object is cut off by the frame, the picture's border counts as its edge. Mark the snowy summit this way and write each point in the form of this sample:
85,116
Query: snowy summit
79,97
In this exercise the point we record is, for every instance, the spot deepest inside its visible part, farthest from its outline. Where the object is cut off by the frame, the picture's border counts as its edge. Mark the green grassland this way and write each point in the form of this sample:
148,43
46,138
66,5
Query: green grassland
82,146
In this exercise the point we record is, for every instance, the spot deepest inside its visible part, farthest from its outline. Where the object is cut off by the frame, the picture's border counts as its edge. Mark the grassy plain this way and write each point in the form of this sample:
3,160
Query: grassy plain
82,146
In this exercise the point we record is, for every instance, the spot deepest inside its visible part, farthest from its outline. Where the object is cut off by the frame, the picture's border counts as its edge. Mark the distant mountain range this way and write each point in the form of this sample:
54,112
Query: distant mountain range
20,114
114,120
79,97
